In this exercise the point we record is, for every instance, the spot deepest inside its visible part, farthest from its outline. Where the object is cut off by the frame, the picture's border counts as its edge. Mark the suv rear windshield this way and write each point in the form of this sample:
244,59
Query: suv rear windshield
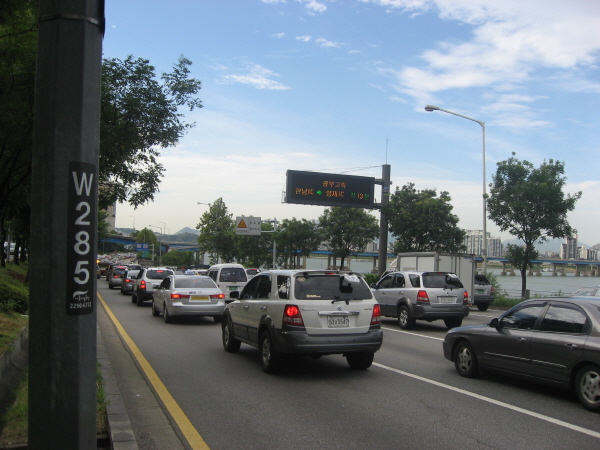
119,272
330,287
159,274
481,279
231,274
441,280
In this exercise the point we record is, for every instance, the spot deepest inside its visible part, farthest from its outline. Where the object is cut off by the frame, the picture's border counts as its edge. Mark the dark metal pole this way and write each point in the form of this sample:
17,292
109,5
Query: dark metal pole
383,223
62,326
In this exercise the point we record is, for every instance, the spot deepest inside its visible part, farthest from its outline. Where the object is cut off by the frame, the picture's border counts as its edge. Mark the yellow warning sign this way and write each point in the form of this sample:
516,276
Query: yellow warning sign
247,226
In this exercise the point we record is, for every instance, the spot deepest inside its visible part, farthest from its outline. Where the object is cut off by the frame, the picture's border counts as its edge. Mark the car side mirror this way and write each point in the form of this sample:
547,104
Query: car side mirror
495,323
234,294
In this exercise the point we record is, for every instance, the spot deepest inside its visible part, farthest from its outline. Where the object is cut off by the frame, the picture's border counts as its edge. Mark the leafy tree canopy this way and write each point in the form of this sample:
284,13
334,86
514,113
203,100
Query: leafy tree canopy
530,204
147,236
256,251
217,232
139,115
347,230
297,238
421,221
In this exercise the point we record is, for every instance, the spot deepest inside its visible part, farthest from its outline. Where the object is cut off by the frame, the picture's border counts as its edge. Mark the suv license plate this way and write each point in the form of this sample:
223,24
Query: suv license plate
233,288
447,299
338,321
480,291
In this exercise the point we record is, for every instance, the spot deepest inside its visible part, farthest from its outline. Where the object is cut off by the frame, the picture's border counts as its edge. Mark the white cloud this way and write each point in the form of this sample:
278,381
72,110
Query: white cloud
324,43
314,5
303,38
258,77
278,35
511,41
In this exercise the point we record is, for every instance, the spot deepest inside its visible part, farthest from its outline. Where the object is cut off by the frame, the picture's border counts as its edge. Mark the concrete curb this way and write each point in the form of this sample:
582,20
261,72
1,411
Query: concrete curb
120,430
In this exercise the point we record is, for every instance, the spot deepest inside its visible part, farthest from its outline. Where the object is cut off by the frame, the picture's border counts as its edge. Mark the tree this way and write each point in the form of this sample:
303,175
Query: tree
147,236
256,251
423,222
138,115
529,203
347,230
18,45
217,232
296,238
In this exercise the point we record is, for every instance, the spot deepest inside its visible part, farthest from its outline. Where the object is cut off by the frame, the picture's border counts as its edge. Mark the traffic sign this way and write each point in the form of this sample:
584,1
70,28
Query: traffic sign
326,189
247,226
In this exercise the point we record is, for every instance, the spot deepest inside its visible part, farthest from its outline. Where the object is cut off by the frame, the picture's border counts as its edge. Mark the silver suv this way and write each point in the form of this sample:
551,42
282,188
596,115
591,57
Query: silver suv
412,296
484,292
304,312
148,279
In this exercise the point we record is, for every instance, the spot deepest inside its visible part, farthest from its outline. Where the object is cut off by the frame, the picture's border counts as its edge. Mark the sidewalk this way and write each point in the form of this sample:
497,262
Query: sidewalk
136,419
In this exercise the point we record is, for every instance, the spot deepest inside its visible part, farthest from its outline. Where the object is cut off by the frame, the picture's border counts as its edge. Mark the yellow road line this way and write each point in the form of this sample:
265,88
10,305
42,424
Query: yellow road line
190,433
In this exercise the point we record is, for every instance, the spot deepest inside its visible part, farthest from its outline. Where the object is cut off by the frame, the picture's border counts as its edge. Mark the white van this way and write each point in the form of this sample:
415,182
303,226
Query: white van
229,277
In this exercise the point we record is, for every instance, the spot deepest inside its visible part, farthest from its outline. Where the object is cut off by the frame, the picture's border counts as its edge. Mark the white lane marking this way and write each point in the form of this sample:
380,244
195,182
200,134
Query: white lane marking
412,334
495,402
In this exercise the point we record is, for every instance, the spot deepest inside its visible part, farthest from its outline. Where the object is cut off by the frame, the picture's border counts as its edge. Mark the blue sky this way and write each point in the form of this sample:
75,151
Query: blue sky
340,87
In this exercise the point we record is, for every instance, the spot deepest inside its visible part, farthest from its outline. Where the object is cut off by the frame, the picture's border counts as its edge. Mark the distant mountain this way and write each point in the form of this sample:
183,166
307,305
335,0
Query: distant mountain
188,230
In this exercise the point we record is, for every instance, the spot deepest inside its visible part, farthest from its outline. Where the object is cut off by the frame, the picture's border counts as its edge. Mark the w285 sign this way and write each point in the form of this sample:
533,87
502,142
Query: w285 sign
81,237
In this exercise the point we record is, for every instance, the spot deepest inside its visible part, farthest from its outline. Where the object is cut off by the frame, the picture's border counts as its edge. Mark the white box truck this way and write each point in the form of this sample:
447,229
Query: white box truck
462,264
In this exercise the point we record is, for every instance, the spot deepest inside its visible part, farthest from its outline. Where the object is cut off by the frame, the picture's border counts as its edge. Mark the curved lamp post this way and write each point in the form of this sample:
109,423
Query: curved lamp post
484,248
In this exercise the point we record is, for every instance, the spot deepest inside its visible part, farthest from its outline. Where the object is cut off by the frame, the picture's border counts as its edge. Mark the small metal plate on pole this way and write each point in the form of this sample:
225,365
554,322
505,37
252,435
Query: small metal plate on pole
247,226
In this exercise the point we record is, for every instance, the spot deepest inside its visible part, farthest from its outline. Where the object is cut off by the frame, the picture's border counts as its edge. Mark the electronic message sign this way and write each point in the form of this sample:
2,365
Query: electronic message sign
326,189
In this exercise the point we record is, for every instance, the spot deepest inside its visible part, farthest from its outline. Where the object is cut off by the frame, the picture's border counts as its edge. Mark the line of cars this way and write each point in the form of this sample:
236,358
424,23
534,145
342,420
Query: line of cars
287,313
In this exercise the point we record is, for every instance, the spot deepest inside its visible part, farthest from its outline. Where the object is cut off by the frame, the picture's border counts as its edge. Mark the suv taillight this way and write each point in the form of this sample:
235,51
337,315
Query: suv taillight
422,297
492,290
465,298
292,316
376,317
143,284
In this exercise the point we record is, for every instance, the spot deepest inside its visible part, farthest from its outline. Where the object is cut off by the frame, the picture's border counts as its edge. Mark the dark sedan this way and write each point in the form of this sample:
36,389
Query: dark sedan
554,341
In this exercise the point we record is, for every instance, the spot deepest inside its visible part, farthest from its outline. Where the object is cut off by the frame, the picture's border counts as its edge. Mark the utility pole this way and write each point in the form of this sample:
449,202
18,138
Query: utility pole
62,324
383,223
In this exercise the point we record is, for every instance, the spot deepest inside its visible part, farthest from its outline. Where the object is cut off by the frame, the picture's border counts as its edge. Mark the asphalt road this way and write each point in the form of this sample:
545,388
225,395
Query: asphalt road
411,398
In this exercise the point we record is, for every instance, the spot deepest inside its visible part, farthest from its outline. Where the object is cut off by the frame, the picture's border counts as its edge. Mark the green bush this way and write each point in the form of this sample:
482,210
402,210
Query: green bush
14,294
371,278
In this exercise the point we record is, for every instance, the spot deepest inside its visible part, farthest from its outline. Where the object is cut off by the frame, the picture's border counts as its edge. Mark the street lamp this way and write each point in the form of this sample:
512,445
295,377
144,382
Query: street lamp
133,223
159,245
484,249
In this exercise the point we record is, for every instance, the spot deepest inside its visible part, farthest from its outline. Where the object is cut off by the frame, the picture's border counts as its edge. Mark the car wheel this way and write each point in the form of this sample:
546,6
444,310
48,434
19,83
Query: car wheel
465,360
166,316
587,386
133,296
139,300
217,319
155,312
122,292
110,286
453,322
230,343
483,306
270,359
360,360
405,321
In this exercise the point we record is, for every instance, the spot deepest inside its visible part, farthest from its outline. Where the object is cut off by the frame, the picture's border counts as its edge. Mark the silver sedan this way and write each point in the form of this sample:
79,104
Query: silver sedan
188,295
